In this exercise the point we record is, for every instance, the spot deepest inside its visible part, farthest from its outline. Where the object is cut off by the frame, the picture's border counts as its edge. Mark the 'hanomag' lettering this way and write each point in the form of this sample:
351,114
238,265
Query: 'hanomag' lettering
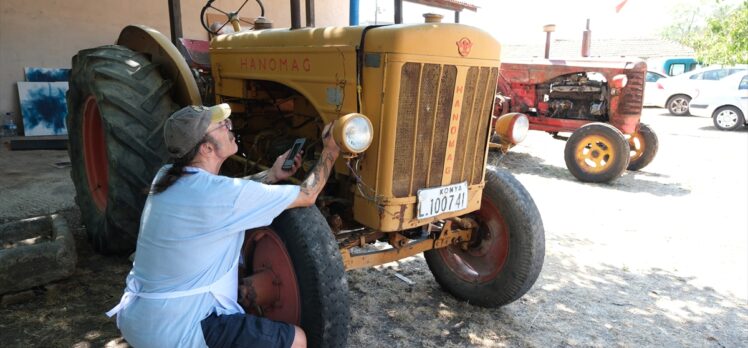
275,64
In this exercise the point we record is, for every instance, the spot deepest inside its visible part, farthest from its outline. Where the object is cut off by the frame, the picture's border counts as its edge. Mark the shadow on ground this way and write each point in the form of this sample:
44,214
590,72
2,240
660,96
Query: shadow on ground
570,305
635,182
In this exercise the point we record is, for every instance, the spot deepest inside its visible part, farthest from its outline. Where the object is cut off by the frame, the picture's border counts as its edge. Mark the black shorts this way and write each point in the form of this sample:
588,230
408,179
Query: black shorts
246,330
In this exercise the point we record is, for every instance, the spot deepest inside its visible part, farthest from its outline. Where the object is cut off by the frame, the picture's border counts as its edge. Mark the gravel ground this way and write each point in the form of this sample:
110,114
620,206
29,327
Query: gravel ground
657,258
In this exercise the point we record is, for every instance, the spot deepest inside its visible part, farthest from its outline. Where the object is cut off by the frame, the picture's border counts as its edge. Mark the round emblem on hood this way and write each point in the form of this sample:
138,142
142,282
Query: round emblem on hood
464,46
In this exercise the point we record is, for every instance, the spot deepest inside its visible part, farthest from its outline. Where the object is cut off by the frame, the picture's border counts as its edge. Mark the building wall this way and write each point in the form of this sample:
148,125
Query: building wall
47,33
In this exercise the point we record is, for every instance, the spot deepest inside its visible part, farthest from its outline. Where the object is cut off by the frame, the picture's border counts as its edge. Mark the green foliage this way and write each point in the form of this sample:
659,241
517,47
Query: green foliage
719,37
725,40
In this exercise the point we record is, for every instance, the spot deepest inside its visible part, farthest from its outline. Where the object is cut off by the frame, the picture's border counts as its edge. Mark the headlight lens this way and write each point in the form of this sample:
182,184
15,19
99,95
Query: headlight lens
357,134
354,133
520,129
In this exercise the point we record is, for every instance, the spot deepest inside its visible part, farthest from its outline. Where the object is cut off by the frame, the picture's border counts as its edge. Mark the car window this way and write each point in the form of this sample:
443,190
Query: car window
734,70
677,69
743,83
697,76
652,77
715,74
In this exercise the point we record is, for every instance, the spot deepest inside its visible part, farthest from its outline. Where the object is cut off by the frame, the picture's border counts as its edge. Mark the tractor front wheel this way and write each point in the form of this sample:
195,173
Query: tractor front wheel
643,147
507,254
297,276
118,102
597,152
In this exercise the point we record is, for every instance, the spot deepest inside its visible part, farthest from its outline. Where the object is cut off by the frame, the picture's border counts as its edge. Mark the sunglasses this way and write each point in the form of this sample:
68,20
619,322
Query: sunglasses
225,123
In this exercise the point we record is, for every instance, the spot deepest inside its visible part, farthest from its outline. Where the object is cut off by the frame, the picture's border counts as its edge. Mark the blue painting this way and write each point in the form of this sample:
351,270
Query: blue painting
46,74
43,107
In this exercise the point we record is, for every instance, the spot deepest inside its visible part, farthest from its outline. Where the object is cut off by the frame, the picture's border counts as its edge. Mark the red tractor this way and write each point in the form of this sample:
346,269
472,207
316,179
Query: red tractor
599,102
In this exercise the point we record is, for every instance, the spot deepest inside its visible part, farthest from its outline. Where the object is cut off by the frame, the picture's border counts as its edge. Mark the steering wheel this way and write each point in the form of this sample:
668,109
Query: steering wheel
229,15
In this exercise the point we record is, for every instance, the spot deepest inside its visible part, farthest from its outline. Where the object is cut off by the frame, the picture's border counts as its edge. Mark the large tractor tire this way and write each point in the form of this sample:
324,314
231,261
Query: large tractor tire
117,104
597,152
506,259
643,146
297,261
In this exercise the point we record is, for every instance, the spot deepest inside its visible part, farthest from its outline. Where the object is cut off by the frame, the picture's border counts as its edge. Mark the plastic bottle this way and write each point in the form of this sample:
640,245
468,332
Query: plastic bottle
9,125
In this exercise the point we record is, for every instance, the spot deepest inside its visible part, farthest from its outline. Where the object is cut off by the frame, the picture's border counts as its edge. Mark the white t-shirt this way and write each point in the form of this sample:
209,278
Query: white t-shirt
190,236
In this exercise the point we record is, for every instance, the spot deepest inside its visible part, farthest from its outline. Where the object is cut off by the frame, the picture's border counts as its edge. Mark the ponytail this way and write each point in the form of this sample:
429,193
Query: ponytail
177,169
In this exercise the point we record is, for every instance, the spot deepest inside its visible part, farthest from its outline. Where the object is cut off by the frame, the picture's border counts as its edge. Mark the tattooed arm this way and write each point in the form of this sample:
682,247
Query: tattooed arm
315,182
276,173
262,177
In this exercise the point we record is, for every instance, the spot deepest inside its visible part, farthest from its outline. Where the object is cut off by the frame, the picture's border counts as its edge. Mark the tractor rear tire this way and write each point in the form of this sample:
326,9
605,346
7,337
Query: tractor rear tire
118,102
509,254
643,147
597,152
320,275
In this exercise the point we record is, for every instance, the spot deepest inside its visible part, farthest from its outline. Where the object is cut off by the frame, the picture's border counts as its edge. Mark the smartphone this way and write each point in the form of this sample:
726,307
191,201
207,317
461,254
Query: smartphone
288,163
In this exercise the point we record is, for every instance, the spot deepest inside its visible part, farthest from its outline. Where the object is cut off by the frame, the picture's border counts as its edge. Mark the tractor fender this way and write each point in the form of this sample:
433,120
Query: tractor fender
152,43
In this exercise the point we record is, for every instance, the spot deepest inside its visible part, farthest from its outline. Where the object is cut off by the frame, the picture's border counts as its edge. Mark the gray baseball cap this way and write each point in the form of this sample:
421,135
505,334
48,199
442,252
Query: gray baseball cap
187,126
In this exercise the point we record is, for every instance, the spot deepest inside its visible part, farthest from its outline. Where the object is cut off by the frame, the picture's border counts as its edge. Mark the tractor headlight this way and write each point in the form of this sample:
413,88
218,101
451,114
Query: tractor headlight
354,133
521,127
512,127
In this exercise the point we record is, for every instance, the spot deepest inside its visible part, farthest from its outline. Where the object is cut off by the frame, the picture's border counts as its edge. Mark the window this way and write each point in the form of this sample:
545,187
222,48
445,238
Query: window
697,76
743,83
715,74
652,77
677,69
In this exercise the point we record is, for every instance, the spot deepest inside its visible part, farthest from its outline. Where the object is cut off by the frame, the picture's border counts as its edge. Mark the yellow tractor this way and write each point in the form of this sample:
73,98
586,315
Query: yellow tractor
413,105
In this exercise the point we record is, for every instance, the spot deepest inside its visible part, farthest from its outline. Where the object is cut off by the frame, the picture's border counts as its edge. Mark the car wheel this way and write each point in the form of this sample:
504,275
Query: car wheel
728,118
678,105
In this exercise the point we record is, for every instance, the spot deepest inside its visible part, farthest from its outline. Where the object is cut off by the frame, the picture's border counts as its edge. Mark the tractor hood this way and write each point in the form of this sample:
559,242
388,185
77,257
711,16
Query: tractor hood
429,39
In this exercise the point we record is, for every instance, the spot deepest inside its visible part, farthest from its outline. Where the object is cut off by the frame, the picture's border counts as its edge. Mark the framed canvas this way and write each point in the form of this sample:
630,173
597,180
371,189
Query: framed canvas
34,74
43,107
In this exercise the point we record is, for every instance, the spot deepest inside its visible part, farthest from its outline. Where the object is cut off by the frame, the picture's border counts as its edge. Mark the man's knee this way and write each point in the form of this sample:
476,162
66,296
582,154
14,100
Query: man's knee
299,338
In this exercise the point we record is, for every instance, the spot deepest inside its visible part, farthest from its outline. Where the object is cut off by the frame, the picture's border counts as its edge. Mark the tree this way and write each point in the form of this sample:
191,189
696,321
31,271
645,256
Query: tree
725,39
720,37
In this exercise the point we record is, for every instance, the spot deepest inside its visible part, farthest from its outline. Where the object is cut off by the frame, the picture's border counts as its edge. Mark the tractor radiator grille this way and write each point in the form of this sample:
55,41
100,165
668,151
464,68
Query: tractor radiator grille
427,94
633,95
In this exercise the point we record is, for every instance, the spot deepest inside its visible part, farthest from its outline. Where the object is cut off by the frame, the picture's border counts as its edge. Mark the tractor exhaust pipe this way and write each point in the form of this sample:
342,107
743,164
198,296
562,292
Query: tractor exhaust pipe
586,40
548,29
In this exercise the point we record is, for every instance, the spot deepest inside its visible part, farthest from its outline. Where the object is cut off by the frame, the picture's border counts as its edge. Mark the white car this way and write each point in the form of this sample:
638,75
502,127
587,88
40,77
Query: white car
726,103
652,90
679,90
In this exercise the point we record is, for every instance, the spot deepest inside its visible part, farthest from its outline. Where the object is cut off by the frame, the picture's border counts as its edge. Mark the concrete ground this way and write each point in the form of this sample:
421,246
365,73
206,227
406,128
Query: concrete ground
657,258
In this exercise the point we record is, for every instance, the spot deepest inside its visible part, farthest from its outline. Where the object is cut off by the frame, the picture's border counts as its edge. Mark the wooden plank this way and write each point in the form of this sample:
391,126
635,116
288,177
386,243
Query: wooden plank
50,142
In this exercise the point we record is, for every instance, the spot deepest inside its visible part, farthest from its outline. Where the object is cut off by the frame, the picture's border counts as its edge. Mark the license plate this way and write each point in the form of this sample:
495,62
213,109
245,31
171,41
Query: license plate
445,199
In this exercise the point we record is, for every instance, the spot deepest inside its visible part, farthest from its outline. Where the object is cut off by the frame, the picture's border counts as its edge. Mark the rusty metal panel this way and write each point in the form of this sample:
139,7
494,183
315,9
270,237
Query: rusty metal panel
471,81
633,93
425,139
443,107
483,126
408,102
426,95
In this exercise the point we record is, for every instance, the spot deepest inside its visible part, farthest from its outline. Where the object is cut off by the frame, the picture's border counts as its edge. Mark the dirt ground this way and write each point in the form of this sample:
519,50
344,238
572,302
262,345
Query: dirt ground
657,258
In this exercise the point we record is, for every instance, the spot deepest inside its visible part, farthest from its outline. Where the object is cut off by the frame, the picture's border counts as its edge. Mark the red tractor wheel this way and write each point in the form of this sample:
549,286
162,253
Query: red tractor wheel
505,257
294,273
117,102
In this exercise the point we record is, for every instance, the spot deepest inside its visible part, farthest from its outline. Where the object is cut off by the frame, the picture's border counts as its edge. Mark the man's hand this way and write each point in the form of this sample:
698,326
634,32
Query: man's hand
317,178
278,174
328,140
